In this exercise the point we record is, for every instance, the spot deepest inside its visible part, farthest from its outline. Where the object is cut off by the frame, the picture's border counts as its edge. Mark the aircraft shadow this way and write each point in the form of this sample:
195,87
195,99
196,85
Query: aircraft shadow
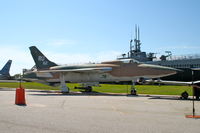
94,93
82,93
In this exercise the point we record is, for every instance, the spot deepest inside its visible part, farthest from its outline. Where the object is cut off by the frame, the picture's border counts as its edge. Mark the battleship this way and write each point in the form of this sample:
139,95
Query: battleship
185,63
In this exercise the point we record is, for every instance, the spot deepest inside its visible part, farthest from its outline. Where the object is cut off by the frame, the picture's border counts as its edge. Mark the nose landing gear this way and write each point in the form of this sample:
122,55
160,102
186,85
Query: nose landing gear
133,90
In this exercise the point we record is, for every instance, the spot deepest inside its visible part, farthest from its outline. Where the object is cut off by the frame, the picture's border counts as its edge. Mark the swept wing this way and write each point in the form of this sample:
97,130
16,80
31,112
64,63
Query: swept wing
81,70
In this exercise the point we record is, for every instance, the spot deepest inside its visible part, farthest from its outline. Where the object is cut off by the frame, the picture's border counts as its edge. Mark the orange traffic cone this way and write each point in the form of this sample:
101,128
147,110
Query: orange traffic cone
20,96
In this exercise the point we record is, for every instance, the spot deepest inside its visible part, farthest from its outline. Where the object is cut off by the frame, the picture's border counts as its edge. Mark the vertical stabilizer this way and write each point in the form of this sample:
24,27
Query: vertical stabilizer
6,69
41,61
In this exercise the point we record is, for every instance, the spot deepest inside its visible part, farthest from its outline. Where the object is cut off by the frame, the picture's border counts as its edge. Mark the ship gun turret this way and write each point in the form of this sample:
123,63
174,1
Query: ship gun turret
164,57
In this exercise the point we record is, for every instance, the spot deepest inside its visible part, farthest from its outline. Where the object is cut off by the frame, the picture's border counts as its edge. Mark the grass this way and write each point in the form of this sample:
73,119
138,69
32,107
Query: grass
28,85
110,88
145,89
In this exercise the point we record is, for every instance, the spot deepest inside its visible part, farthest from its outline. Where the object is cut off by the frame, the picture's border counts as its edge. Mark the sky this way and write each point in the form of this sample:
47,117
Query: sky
82,31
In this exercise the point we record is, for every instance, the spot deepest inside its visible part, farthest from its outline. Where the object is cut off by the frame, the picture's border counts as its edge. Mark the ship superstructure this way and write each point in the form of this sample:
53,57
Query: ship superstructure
180,62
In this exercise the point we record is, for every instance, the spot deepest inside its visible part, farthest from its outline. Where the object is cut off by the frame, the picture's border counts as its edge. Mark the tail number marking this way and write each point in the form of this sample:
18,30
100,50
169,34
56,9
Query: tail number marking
42,59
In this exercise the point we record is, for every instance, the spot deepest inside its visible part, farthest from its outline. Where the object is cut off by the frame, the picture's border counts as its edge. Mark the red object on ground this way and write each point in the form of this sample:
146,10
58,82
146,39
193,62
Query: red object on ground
193,116
20,96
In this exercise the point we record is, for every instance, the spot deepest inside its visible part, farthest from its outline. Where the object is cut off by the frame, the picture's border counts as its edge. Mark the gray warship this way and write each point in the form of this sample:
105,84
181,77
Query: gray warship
185,62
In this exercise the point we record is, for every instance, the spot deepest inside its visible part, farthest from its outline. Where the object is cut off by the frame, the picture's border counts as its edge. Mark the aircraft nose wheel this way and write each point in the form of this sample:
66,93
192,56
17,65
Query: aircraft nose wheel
133,92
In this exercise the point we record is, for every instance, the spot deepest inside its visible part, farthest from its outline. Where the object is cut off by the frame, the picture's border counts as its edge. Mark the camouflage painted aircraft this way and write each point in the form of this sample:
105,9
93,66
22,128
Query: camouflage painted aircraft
5,71
50,73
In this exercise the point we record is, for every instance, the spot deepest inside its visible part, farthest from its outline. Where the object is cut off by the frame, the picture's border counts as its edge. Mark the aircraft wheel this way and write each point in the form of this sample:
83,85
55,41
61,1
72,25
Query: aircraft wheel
89,89
133,92
184,95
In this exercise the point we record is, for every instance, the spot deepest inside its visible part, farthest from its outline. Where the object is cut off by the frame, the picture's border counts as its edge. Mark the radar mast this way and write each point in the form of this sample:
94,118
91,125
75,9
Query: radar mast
136,47
137,39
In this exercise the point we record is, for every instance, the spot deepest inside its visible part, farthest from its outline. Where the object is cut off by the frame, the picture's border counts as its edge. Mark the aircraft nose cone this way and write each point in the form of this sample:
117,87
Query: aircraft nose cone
159,67
160,70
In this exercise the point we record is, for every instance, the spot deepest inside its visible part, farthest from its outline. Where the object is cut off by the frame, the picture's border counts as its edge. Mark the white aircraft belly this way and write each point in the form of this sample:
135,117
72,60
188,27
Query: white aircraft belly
83,77
44,75
94,77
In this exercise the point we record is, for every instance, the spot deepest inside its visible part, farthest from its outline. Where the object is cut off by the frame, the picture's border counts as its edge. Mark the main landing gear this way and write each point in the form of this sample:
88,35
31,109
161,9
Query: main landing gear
63,87
87,86
87,89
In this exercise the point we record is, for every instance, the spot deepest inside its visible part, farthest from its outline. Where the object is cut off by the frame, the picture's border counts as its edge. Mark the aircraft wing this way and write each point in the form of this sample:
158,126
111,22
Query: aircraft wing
10,81
81,70
174,82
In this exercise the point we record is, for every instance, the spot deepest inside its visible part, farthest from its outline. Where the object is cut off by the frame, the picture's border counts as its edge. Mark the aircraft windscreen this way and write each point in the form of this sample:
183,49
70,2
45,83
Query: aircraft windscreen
130,61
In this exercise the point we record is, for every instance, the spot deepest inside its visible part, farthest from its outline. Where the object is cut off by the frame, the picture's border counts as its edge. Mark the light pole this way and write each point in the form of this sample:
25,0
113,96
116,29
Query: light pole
193,107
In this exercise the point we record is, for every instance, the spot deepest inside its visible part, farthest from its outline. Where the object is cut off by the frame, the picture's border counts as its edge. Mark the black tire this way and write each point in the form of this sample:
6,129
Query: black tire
185,95
133,92
88,89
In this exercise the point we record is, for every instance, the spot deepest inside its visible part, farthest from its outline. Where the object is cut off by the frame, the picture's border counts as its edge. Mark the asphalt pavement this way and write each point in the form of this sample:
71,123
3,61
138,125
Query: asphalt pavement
50,112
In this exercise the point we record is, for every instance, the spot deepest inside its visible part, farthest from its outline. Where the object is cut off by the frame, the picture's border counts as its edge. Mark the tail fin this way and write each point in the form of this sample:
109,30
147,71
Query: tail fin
6,69
41,61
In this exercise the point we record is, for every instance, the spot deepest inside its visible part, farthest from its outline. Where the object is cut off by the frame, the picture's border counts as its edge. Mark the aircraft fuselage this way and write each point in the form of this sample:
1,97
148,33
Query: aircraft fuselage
121,71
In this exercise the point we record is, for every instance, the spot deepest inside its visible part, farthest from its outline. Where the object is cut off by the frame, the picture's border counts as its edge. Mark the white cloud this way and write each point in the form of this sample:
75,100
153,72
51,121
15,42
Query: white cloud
62,58
107,55
79,58
20,58
180,47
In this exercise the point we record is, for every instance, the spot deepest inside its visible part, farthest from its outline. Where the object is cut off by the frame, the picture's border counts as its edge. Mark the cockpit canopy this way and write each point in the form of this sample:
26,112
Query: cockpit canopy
129,61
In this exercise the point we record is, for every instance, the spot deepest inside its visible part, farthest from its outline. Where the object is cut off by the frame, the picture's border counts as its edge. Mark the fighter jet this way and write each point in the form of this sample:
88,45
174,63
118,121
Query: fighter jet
46,71
4,72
